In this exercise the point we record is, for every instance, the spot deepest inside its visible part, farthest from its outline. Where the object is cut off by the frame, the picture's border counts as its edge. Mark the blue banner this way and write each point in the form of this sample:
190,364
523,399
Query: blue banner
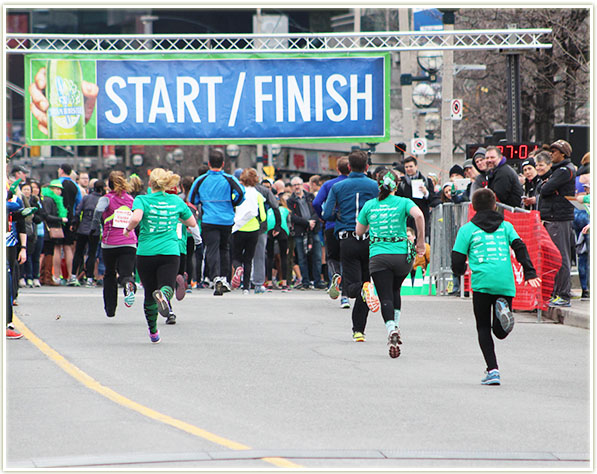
241,99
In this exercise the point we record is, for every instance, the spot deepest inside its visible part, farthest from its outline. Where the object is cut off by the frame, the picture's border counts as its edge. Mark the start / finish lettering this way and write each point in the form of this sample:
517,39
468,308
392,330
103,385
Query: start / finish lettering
243,99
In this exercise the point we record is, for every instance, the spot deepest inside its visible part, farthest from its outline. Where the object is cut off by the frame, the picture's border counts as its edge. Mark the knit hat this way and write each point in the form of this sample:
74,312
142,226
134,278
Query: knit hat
480,151
467,164
527,162
456,169
238,172
563,146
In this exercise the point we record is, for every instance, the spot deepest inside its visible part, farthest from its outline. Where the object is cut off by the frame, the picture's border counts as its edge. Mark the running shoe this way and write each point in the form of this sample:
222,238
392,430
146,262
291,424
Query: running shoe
285,288
13,334
129,294
163,303
358,336
155,338
36,283
559,302
491,378
30,283
585,295
225,285
89,283
171,319
259,289
238,277
22,283
370,296
344,303
218,287
73,281
393,343
334,290
504,315
180,287
245,292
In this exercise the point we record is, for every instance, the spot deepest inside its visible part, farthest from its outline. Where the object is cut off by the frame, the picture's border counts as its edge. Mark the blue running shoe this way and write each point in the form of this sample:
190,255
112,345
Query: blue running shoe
344,303
155,338
504,315
129,294
491,378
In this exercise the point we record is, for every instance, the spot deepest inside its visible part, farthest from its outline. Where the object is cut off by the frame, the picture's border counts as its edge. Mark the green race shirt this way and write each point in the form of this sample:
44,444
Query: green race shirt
161,212
386,218
488,257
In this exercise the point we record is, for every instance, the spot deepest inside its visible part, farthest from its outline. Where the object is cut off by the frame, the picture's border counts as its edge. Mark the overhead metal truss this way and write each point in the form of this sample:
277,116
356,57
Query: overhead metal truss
506,39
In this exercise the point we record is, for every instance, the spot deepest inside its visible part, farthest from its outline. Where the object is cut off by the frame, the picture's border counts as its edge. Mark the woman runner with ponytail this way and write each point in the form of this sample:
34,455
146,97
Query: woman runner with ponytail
390,252
118,250
158,253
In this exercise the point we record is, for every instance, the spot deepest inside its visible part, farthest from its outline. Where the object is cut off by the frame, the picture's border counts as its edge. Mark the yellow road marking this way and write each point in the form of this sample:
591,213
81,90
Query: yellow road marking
93,384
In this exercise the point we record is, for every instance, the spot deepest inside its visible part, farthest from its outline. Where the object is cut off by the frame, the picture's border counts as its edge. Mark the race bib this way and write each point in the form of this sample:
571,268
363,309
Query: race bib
122,218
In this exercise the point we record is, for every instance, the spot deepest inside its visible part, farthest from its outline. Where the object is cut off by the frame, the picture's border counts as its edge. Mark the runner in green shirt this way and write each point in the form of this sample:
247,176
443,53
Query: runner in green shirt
486,240
391,253
158,251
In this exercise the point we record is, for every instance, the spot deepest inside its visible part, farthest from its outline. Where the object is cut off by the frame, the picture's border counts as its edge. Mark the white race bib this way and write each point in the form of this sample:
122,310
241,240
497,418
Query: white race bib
122,218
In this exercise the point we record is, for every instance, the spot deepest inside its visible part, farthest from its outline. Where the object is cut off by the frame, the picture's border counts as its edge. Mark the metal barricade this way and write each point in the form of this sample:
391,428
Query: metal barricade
446,219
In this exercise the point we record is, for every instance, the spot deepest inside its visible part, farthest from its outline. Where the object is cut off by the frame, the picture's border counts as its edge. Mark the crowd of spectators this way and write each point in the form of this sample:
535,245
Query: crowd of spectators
289,245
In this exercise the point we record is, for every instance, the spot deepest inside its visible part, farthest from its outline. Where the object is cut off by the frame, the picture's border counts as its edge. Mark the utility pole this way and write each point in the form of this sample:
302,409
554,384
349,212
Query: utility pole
447,138
259,146
407,66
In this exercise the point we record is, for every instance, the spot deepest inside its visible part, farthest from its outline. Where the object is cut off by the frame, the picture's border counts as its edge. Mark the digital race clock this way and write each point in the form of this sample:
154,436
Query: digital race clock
512,151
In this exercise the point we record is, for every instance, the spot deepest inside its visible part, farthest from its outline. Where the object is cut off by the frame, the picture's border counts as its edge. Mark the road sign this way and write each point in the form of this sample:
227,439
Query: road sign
418,146
456,109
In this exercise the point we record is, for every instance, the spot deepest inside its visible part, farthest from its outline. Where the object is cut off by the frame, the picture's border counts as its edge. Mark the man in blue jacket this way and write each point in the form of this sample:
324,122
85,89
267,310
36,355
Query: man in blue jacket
343,205
332,245
218,193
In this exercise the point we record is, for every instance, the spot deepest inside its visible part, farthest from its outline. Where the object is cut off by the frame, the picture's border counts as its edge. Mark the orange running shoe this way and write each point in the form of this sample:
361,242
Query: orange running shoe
370,296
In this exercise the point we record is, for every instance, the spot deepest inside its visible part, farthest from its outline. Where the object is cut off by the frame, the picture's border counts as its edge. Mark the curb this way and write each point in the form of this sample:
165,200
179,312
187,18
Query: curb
568,316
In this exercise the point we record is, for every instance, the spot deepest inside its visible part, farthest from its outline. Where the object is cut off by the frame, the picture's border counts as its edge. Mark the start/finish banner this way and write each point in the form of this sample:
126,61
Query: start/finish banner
109,99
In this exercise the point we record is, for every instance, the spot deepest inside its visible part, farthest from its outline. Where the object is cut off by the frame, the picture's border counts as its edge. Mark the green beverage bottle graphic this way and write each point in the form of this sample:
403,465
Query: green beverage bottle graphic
66,114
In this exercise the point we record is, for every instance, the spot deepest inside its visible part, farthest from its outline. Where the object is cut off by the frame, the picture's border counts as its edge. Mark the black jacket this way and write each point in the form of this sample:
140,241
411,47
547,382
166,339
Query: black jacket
530,190
503,181
405,190
84,214
553,205
49,212
299,223
489,221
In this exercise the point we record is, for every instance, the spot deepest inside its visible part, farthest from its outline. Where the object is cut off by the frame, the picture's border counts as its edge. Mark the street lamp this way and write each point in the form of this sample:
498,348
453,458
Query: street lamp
430,61
423,95
232,151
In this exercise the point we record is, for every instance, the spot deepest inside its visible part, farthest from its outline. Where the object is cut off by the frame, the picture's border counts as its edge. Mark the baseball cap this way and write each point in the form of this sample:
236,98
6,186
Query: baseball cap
467,164
19,169
55,183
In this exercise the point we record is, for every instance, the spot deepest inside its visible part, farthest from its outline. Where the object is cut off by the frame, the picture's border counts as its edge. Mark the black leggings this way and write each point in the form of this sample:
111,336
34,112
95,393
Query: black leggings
484,308
243,251
282,239
90,241
156,272
388,273
121,260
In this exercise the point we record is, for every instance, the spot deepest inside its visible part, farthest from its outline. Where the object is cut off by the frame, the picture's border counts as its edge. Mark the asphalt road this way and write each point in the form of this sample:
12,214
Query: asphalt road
275,380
